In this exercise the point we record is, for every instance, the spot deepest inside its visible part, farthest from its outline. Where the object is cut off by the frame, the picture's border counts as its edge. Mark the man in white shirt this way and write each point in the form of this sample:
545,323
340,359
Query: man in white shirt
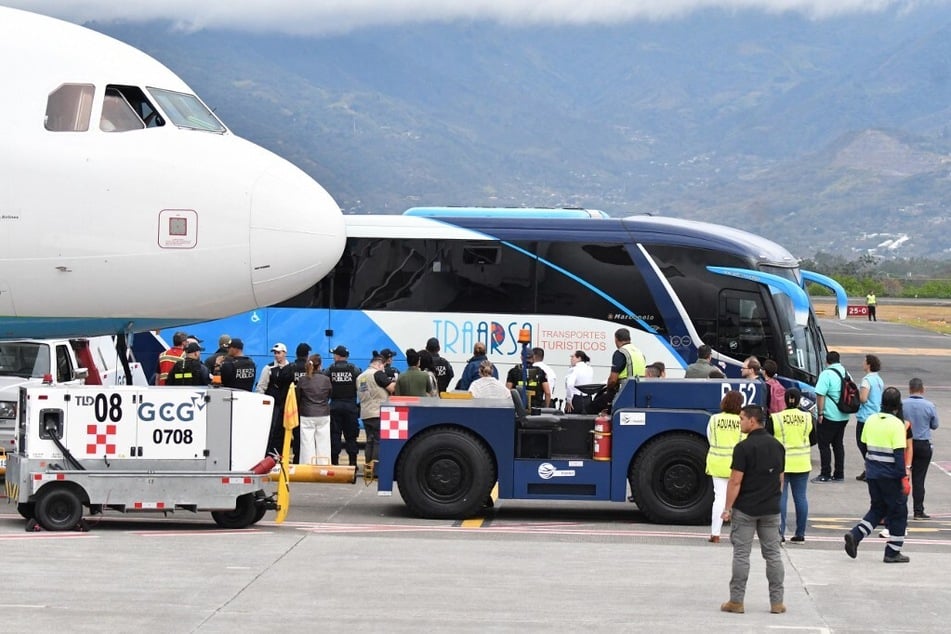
538,360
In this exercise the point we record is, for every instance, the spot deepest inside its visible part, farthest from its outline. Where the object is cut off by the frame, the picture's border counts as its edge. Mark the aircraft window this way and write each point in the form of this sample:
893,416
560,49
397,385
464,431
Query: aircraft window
69,108
117,114
186,111
140,104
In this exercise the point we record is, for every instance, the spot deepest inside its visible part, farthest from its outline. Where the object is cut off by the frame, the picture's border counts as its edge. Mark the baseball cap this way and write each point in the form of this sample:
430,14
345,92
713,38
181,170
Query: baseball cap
279,347
195,338
340,351
386,353
192,347
303,349
236,343
224,340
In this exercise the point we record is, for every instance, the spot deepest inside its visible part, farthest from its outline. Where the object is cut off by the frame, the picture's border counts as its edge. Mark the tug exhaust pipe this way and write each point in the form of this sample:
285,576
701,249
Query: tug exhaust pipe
326,473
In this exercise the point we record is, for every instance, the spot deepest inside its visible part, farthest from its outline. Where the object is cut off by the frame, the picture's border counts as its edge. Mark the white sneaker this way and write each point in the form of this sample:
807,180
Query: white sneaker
885,533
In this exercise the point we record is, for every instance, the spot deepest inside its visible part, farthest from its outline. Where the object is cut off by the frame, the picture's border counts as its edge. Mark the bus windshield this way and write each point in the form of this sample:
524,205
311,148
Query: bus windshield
804,346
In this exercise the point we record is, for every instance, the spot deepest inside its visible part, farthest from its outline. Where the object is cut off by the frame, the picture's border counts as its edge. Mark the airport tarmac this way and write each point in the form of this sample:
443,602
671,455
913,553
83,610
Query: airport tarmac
347,558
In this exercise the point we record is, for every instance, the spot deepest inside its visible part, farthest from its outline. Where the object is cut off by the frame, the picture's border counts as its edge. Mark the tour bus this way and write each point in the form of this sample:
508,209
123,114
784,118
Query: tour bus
571,277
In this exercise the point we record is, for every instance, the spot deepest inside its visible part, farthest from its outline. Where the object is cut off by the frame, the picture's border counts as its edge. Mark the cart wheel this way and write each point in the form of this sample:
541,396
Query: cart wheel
259,512
243,515
26,509
59,509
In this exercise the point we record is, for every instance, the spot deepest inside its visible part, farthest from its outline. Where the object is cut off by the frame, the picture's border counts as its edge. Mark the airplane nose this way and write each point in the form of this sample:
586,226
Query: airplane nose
297,234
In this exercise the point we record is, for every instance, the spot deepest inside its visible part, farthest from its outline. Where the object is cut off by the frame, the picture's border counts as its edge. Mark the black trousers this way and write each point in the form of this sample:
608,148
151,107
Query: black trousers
863,448
343,421
831,434
919,469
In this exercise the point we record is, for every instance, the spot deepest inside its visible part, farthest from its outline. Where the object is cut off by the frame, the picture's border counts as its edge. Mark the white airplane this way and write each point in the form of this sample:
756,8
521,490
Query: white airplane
126,205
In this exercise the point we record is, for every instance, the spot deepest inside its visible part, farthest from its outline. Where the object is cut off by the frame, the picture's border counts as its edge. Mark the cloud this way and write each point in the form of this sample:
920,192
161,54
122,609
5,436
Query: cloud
335,16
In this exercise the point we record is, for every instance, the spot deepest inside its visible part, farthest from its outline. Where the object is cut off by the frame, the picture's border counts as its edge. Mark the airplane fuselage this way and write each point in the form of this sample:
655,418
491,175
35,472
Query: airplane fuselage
163,217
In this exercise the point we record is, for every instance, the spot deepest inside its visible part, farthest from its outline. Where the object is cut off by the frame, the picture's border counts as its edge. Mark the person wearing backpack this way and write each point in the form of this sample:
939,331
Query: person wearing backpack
831,422
871,396
776,402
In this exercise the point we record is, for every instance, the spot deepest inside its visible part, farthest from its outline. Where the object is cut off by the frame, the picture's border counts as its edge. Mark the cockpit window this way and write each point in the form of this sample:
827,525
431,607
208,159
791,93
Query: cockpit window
186,111
69,108
135,97
117,114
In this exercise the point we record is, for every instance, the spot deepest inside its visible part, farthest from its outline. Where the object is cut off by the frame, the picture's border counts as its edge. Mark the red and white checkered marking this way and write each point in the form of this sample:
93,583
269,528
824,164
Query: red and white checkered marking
47,477
394,423
148,505
241,480
105,439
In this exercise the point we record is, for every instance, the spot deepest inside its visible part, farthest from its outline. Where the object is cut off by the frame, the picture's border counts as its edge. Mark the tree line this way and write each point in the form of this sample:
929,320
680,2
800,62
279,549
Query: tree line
893,277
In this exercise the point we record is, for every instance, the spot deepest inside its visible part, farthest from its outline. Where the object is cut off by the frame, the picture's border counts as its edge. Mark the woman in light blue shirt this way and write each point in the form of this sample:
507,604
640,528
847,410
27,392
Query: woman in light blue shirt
870,393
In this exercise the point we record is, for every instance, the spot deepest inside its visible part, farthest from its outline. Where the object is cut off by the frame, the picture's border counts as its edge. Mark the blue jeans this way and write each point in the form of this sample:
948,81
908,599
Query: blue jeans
798,482
742,529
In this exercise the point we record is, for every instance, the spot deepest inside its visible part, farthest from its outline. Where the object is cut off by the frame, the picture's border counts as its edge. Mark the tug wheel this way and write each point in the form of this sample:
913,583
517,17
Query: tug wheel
446,474
58,509
244,513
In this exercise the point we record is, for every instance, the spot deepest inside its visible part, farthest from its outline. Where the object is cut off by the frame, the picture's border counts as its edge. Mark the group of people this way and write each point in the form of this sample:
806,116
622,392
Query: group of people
757,455
538,380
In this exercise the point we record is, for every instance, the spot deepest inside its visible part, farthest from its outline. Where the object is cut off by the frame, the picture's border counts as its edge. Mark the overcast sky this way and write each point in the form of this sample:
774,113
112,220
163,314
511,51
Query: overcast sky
330,16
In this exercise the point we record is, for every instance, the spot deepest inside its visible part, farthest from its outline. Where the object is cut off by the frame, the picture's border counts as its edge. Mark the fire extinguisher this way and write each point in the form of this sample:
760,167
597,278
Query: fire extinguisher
602,438
264,466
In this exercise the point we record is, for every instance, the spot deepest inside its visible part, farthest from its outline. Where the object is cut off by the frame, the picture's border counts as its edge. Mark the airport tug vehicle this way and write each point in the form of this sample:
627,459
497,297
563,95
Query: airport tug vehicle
446,455
140,449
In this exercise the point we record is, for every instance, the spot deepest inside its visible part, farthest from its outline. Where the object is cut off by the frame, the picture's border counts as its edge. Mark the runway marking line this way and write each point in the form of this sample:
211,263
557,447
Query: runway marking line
47,535
324,528
901,352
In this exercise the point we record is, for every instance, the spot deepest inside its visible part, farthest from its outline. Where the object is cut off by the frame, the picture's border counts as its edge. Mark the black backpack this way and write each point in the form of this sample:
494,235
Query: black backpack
849,401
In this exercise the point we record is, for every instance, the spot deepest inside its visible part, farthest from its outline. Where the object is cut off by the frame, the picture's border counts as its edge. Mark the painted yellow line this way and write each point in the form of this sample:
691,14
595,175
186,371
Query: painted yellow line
477,522
911,352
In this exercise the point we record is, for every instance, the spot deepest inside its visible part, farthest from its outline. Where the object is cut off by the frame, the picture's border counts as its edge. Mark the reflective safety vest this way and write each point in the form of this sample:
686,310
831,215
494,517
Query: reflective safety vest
636,364
723,434
167,361
792,428
884,434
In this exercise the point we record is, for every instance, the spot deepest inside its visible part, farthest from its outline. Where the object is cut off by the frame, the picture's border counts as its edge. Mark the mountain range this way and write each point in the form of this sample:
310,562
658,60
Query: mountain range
824,135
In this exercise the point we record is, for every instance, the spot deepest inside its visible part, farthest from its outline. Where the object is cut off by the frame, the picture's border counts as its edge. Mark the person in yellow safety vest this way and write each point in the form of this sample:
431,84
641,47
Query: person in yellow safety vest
628,360
887,467
723,434
870,302
793,427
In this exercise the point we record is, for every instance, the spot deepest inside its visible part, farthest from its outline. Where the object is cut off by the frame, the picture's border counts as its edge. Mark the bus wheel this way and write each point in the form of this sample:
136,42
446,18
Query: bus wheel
669,480
446,474
59,509
244,513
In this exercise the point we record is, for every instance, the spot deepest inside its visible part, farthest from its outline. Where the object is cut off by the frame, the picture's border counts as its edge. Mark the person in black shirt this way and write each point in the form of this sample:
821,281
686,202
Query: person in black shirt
189,369
237,370
537,389
441,367
213,362
752,507
344,411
